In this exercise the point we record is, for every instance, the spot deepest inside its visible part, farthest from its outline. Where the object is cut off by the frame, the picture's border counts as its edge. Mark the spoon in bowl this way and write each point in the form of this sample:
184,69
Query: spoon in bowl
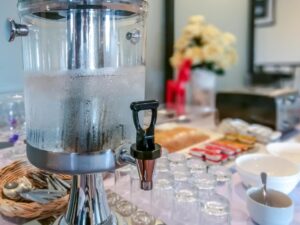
264,177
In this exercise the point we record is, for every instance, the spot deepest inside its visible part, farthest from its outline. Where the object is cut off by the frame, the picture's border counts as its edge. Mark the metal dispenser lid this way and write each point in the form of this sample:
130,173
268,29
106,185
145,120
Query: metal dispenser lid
35,6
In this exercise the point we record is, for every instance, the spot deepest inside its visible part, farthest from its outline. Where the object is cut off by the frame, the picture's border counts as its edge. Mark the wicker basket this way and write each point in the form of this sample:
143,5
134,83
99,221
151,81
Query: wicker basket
30,210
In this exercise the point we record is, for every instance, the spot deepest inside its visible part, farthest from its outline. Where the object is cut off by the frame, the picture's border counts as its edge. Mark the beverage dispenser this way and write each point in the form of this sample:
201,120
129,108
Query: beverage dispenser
84,63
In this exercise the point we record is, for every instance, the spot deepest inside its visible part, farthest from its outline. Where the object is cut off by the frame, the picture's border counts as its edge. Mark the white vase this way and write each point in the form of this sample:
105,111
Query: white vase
203,90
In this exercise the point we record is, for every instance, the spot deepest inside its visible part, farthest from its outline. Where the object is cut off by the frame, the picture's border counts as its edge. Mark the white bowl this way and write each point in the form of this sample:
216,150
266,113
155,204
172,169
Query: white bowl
283,175
280,211
289,151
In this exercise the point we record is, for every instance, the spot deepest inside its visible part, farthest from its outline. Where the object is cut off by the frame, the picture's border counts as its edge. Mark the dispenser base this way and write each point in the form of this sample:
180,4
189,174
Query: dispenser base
116,220
75,163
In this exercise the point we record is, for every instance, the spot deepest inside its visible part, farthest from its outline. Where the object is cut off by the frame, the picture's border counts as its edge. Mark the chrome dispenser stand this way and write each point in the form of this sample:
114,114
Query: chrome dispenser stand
88,204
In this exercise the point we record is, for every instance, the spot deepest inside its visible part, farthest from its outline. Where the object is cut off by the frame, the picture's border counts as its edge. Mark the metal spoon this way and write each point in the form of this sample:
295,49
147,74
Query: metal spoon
23,188
12,189
263,177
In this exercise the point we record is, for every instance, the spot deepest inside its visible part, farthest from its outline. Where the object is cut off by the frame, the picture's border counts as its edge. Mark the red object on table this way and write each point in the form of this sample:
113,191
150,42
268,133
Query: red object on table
209,156
176,93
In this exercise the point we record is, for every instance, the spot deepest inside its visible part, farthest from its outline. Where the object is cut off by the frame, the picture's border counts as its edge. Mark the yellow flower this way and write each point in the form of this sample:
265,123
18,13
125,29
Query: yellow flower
195,54
192,30
229,58
210,32
212,52
181,44
214,46
176,59
228,39
197,19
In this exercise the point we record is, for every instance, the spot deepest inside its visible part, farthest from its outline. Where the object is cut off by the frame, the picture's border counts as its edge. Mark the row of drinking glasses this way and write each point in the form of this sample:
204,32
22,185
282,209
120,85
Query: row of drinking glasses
196,194
185,191
129,211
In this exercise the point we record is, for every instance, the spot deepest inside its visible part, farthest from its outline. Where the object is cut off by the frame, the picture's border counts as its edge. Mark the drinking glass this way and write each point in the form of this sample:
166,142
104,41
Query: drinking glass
196,165
142,218
122,181
215,210
164,153
181,174
181,178
185,204
109,178
177,158
125,208
161,168
197,172
162,194
12,127
12,118
179,167
205,184
223,177
162,165
112,198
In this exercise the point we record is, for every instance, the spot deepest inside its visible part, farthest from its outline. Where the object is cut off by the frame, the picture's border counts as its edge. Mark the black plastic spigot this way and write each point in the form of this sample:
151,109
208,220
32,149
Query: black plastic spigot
145,147
145,151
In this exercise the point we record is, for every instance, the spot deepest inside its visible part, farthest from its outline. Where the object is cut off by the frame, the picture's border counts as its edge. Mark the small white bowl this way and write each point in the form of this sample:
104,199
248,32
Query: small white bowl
289,151
283,175
280,211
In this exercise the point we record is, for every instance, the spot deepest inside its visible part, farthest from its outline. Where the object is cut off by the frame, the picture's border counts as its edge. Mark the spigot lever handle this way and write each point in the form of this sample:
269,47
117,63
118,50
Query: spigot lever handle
145,138
145,151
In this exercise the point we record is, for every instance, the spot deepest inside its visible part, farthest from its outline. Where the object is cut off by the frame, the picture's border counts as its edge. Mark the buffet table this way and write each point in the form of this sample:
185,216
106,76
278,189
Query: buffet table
240,215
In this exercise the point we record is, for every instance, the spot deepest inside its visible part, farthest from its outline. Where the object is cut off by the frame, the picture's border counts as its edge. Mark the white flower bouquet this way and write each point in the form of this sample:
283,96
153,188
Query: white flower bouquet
205,46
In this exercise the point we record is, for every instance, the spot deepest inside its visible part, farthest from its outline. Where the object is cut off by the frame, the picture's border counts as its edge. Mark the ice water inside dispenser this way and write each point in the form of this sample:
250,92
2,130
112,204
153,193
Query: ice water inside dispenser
82,111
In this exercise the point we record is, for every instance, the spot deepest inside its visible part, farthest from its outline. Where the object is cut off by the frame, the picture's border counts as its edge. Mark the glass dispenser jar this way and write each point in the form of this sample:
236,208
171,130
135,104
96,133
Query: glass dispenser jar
84,64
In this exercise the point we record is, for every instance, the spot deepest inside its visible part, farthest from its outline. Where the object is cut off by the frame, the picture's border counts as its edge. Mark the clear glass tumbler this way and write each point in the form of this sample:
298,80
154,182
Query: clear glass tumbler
223,177
196,165
161,165
112,198
142,218
215,210
125,208
123,180
205,184
162,195
181,173
12,127
164,153
185,204
179,168
177,158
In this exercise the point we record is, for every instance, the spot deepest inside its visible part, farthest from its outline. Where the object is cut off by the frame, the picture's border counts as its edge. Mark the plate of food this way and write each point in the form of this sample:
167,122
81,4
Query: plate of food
176,137
224,149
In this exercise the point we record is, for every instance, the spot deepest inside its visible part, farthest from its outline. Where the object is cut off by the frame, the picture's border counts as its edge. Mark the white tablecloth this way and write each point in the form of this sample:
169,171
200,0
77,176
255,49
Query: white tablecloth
240,214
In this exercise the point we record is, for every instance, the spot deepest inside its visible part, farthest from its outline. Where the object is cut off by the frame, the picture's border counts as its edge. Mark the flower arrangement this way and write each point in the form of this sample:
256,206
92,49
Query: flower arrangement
205,46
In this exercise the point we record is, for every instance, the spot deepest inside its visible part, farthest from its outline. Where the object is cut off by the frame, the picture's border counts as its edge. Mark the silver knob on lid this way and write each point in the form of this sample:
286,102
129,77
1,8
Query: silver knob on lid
134,36
15,30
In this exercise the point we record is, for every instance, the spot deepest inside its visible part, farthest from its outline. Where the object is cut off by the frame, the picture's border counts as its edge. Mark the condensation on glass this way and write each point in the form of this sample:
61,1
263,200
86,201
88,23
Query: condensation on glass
84,64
